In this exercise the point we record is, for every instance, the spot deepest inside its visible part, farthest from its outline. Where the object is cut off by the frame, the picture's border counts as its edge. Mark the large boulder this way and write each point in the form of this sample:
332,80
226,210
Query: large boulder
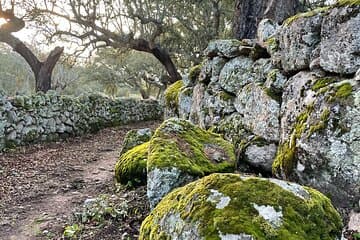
235,207
180,153
340,38
320,136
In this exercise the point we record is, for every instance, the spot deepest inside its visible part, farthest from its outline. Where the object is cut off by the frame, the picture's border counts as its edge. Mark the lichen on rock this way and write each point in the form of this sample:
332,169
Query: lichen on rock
255,208
186,152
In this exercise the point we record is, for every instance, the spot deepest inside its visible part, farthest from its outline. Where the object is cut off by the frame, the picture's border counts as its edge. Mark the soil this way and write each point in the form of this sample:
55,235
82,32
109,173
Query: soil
43,184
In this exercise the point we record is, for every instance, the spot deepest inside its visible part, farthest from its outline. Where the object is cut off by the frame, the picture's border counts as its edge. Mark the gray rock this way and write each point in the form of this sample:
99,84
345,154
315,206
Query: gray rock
261,156
322,126
223,48
266,29
260,112
185,102
134,138
340,40
298,38
236,74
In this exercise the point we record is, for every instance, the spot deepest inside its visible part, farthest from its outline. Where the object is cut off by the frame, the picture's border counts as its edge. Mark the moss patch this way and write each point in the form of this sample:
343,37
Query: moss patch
131,167
180,144
321,83
195,72
172,94
285,161
273,44
344,90
341,3
308,14
302,219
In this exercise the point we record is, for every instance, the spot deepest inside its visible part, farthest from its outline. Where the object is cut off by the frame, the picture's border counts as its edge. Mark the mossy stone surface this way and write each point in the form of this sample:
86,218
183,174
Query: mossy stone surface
231,206
172,94
180,144
134,138
181,152
131,166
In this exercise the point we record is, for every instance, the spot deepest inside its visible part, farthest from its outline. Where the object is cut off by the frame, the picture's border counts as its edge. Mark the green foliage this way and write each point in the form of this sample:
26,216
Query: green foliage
72,231
100,209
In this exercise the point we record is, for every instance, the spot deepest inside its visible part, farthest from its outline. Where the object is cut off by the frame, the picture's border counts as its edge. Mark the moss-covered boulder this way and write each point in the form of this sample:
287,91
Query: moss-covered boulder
231,206
180,152
135,137
131,166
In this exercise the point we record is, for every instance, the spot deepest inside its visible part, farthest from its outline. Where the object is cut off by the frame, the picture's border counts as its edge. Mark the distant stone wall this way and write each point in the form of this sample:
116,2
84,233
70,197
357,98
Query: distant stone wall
49,117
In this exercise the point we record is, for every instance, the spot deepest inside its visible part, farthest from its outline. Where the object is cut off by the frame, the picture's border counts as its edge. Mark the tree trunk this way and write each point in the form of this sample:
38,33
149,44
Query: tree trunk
248,14
43,78
161,54
42,70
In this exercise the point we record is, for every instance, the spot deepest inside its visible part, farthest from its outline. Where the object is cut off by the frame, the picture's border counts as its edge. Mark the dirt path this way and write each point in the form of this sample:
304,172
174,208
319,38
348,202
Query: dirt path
41,185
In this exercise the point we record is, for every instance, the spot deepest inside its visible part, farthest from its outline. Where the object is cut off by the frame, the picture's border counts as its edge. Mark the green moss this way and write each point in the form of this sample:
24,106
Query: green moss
285,160
341,3
273,44
322,124
344,90
314,218
308,14
321,83
195,72
274,95
131,167
178,143
224,96
172,94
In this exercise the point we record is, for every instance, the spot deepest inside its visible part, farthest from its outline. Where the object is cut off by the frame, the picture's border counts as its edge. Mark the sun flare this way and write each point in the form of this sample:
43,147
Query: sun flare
2,21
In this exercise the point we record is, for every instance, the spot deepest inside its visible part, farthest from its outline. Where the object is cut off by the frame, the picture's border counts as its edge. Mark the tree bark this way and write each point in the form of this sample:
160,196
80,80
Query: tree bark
161,54
43,78
42,70
248,14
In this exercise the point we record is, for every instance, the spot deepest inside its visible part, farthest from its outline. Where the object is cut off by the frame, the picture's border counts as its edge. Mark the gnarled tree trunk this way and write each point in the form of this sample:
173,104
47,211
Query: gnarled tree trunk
42,70
248,14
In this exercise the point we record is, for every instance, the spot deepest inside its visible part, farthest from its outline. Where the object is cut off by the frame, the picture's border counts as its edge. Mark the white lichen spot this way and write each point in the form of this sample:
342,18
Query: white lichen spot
296,189
178,229
270,215
241,236
300,167
219,199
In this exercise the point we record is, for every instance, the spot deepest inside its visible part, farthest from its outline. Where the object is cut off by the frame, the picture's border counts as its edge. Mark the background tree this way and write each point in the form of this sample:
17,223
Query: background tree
248,14
164,28
42,70
131,70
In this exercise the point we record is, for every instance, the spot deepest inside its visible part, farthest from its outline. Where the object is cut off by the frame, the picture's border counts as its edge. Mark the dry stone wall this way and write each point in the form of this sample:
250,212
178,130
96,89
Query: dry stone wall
49,117
289,100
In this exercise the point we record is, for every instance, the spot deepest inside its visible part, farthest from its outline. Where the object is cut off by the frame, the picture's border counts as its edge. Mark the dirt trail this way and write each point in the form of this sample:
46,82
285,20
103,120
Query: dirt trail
41,185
